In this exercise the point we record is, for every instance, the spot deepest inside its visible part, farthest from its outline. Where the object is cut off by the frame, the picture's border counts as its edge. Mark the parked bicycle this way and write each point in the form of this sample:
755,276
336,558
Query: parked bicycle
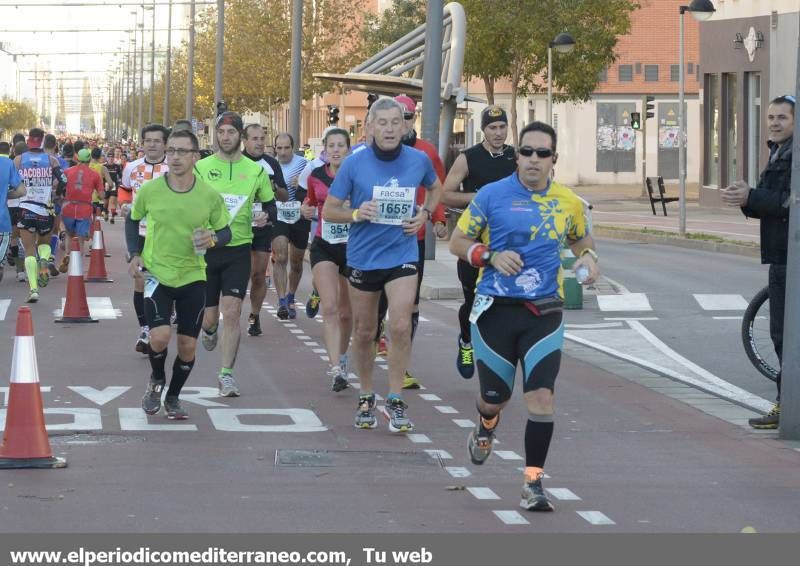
756,338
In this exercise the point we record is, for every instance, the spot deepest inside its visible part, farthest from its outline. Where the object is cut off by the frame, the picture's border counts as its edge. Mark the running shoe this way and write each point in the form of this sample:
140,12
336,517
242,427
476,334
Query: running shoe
480,442
227,386
365,415
54,272
21,276
255,325
209,339
398,419
33,297
143,343
174,409
151,402
338,381
770,421
465,362
63,267
534,498
291,311
410,382
312,306
44,275
283,310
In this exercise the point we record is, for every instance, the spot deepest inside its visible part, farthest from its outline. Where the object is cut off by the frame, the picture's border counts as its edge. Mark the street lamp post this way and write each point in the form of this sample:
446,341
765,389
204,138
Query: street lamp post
190,66
151,107
701,10
168,69
563,43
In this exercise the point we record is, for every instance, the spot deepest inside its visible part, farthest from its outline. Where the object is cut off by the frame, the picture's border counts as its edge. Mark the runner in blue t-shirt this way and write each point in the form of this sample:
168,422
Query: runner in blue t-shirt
380,184
11,187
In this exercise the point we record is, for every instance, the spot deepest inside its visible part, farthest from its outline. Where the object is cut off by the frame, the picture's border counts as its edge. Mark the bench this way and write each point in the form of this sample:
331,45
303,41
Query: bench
661,197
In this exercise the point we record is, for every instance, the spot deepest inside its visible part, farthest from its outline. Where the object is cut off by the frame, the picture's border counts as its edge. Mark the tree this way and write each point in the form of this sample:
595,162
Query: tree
500,44
16,115
379,31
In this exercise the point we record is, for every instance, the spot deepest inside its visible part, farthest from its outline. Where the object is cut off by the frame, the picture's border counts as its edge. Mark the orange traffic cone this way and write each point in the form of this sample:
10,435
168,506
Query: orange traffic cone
97,263
92,229
25,442
76,309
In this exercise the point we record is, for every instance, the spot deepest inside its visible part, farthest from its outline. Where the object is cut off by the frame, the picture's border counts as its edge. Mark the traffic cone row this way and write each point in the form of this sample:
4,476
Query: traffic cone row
25,442
94,227
76,308
97,263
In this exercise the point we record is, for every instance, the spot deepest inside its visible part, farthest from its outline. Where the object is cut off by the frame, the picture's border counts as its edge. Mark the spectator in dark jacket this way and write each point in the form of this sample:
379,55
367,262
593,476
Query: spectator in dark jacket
769,202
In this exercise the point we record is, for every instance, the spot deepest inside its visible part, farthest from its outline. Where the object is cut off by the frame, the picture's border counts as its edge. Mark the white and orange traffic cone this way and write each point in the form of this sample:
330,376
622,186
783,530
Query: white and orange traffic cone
76,308
97,263
92,229
25,442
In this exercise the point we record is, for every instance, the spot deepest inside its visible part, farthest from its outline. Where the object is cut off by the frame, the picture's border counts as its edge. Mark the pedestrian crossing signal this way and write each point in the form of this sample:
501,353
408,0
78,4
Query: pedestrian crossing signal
636,120
650,107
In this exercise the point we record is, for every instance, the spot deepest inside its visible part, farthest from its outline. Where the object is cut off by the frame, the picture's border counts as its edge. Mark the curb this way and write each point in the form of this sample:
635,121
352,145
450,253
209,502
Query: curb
726,247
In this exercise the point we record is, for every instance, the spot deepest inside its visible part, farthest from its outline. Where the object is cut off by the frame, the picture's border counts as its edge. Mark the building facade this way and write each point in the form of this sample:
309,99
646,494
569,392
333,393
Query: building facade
748,54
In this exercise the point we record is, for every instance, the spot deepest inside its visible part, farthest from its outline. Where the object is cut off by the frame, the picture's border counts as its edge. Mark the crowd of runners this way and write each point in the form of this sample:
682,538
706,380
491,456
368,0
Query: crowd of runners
200,231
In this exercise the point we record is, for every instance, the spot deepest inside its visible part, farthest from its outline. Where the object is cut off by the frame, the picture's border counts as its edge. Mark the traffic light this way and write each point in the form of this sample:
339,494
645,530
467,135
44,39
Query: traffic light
649,107
333,114
636,120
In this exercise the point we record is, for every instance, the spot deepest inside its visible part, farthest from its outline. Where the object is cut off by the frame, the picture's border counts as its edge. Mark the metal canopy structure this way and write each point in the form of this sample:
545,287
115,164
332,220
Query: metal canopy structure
398,69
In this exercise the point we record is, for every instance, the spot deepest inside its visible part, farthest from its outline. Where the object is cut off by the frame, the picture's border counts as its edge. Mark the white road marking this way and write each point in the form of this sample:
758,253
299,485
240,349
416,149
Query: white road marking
507,455
82,419
626,318
99,397
134,419
511,517
446,409
310,343
4,392
419,438
625,302
99,308
319,351
618,285
464,423
304,337
290,326
562,494
482,493
383,366
458,472
430,397
325,358
595,517
593,326
296,330
4,304
440,454
303,420
712,302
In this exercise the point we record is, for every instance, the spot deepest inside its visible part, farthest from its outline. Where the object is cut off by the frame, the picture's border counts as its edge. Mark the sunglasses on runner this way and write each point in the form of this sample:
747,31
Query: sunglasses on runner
526,151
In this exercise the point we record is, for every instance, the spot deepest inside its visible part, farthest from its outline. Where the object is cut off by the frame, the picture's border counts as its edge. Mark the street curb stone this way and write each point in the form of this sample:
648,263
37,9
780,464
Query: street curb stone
677,241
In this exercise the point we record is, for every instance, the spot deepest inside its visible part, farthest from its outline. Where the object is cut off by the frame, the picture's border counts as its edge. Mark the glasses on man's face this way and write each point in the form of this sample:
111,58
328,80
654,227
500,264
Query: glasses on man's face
527,151
408,115
179,151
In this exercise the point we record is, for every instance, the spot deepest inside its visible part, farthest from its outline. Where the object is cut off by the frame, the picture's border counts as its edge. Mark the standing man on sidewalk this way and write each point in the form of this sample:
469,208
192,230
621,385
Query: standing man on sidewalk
241,182
177,204
769,201
486,162
512,232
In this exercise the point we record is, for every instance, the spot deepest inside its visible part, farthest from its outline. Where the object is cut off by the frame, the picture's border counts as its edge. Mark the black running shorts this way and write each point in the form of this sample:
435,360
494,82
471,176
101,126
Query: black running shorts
297,233
227,273
325,251
188,300
375,280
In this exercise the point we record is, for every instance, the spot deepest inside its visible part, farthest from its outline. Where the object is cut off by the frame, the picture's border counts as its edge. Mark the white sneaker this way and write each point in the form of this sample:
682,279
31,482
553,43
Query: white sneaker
227,386
21,277
209,340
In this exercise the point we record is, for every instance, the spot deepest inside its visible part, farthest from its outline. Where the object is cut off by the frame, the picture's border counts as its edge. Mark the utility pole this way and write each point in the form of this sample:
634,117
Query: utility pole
139,123
190,67
790,366
151,107
295,80
168,67
431,94
219,64
644,146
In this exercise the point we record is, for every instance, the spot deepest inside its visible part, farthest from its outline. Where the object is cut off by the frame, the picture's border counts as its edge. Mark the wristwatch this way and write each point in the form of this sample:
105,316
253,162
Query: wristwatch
591,253
486,256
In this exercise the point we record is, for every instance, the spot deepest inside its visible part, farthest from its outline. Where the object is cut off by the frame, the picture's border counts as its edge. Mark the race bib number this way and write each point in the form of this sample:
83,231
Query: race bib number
395,204
150,286
256,210
335,233
288,212
234,203
39,194
479,306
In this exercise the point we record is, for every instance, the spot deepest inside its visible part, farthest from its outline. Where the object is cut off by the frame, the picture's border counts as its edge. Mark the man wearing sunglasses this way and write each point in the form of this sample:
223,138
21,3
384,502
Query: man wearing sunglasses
512,231
769,202
486,162
173,263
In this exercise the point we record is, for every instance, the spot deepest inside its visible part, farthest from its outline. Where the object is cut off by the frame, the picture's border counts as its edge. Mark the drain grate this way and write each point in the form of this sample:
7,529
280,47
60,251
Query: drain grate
330,458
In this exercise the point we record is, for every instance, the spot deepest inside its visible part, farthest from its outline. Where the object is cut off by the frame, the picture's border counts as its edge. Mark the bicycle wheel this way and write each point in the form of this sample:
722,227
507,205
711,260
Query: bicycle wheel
756,338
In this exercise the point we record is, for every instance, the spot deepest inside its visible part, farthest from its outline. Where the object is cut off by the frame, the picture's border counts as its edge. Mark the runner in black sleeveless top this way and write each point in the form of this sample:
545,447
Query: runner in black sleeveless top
475,167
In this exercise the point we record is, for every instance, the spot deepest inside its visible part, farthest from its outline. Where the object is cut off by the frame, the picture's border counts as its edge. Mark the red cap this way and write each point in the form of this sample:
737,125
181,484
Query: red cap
24,322
407,103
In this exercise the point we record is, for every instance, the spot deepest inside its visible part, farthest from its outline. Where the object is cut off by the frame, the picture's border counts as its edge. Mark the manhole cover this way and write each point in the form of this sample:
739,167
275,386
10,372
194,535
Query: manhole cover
329,458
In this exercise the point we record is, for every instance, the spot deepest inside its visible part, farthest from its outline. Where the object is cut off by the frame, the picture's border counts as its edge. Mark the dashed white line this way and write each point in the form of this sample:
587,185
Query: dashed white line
441,454
458,472
562,493
595,517
291,326
310,343
482,493
430,397
464,423
383,366
507,455
304,337
511,518
418,438
296,330
319,350
446,409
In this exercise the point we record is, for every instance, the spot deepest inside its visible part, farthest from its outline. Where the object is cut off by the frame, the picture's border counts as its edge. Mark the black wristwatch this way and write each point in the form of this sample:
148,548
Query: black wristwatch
486,257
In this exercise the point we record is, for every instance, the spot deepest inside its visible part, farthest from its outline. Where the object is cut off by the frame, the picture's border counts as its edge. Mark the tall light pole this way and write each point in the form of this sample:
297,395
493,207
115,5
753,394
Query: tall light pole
190,66
139,123
295,79
563,43
701,10
151,107
168,68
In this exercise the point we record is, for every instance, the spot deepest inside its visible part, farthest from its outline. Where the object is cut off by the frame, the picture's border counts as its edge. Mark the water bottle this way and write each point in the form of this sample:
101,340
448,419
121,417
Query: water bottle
581,274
